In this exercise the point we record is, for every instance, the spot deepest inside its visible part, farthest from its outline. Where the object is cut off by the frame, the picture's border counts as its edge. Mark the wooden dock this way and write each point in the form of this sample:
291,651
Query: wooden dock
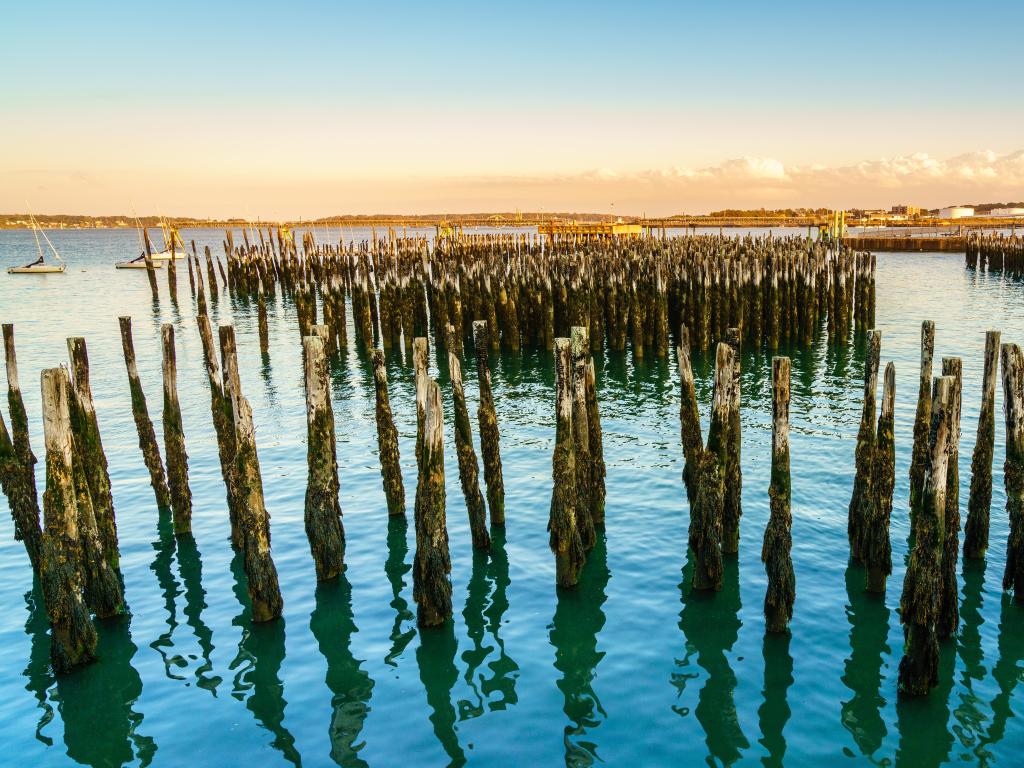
921,244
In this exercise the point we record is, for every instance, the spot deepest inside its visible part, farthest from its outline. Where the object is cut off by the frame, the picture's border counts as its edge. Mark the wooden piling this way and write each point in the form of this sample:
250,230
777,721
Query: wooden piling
564,534
432,588
150,270
919,605
689,417
732,504
387,440
980,500
949,613
488,420
860,501
922,420
877,548
469,470
324,527
253,519
20,498
143,424
598,470
579,348
174,438
89,447
73,639
1013,468
19,420
778,537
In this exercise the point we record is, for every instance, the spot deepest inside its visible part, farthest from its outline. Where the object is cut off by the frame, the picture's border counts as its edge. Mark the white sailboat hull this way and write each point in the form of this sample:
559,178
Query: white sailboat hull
41,269
137,265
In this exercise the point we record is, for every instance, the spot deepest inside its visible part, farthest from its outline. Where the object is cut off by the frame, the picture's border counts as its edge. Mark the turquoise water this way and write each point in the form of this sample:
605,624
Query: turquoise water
630,669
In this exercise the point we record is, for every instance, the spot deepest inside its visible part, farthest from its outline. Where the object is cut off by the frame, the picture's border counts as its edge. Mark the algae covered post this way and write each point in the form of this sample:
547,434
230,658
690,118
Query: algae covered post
323,510
922,420
488,425
563,530
143,424
73,639
778,536
922,587
432,587
469,470
387,440
1013,469
877,548
980,501
174,438
863,494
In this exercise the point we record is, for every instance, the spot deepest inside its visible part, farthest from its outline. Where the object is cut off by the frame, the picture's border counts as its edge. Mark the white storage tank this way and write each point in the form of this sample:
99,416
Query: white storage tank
955,212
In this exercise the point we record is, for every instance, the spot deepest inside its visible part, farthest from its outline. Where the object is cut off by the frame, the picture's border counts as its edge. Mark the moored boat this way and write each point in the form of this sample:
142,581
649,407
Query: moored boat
39,266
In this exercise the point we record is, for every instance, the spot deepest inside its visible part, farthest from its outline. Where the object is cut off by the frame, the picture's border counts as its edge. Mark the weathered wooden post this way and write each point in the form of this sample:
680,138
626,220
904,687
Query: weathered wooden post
253,519
488,420
73,640
949,611
174,438
261,313
919,457
877,548
143,424
387,440
706,516
980,500
860,501
1013,469
19,417
89,448
579,347
778,536
469,471
919,605
223,423
689,417
732,475
598,471
323,510
20,499
150,270
564,535
432,589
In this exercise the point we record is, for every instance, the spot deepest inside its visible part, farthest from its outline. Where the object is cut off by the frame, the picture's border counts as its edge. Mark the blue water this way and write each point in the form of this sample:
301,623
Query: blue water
630,669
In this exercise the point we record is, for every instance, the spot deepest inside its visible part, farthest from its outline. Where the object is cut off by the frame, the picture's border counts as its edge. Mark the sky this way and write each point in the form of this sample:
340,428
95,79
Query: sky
308,109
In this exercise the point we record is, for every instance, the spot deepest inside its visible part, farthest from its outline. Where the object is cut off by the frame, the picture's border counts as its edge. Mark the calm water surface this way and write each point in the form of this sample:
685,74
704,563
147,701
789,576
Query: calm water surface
630,669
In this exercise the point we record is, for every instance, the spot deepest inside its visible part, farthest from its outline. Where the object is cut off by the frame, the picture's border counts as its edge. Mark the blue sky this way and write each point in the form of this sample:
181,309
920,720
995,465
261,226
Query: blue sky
337,106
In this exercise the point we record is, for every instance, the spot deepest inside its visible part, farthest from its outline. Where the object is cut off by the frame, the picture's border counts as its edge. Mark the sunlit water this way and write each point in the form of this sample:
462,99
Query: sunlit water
630,669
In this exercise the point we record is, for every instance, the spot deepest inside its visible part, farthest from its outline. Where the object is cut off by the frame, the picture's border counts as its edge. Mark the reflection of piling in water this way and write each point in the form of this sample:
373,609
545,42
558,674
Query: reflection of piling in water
169,587
774,712
258,664
323,511
97,705
63,576
980,501
1013,469
863,672
919,605
922,420
143,424
395,568
174,438
578,619
38,670
351,687
190,568
253,519
435,658
778,536
711,624
1005,670
860,510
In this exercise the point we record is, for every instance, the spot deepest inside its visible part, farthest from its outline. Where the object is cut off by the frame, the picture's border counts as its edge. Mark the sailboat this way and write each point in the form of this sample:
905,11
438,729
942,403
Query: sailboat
158,259
171,236
39,266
